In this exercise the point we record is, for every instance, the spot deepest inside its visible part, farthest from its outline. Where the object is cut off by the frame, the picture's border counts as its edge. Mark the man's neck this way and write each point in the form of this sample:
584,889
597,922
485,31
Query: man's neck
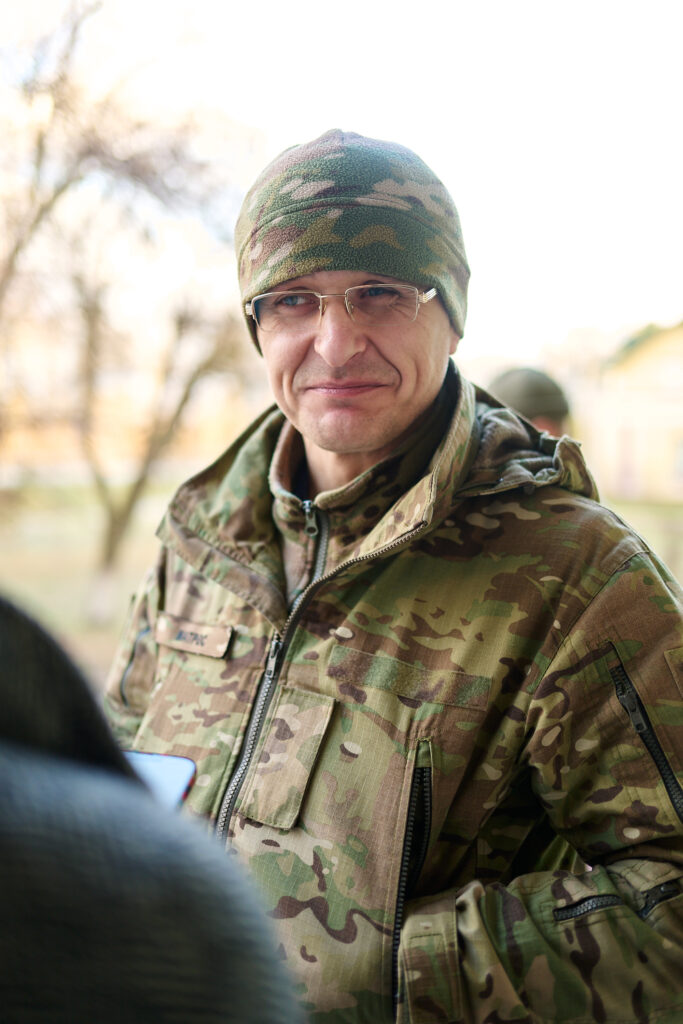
328,471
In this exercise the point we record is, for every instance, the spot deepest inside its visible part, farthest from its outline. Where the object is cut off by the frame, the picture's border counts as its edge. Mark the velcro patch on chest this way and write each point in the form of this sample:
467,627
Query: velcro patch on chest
194,637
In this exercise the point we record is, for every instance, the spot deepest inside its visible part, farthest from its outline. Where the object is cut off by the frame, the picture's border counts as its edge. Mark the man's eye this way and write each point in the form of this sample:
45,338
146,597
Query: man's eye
378,291
296,299
377,295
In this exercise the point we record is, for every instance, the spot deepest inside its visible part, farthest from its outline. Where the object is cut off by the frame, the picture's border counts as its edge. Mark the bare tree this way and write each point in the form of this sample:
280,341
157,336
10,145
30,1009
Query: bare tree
222,354
87,181
72,140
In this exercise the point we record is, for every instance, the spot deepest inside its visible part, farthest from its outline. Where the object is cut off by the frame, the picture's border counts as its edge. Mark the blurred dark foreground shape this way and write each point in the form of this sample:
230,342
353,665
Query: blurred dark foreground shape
113,909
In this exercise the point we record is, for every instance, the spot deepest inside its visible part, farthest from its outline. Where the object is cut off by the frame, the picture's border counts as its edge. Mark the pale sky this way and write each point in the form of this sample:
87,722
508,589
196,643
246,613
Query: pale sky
557,126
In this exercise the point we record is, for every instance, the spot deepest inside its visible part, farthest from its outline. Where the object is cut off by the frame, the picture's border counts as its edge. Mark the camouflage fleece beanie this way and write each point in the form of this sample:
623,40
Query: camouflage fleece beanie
345,202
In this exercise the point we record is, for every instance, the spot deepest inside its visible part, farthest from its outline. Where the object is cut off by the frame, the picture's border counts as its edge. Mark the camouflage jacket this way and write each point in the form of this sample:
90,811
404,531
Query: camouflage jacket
469,666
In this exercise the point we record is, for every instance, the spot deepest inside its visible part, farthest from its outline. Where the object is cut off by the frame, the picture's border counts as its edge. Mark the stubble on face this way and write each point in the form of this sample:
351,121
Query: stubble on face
354,394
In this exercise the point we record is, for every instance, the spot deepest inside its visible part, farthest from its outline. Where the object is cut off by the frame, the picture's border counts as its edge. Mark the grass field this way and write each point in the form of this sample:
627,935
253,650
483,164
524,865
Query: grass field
49,543
48,551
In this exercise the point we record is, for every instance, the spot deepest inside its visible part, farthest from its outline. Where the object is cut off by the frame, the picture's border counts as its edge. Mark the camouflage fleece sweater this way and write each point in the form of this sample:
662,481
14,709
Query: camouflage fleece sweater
398,694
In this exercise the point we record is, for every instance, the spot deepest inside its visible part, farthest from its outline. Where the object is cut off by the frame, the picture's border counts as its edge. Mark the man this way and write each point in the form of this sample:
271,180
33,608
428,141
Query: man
113,910
535,395
408,648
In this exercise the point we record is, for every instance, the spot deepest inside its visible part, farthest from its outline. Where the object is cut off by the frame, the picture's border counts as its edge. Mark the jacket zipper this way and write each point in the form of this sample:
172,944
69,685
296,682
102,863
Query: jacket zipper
631,702
279,646
419,787
251,738
311,524
317,525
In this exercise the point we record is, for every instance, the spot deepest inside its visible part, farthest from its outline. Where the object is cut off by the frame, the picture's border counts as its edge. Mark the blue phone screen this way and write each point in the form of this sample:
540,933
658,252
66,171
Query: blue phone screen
168,776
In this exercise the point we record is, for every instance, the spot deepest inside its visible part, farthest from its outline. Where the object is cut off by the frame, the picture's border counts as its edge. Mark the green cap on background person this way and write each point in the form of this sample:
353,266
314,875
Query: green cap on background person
535,395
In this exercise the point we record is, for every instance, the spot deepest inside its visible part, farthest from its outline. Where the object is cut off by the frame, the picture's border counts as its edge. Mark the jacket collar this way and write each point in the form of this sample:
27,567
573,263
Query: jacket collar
226,511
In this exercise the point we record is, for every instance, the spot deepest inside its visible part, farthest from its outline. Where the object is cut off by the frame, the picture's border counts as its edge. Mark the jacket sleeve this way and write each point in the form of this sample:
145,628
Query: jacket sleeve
131,676
601,745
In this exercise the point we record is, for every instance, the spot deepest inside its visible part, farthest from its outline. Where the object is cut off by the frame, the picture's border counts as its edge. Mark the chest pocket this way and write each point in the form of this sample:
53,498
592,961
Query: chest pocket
193,692
281,774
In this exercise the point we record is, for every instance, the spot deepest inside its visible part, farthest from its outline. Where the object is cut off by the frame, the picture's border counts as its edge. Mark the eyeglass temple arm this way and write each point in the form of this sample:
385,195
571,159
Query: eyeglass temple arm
426,296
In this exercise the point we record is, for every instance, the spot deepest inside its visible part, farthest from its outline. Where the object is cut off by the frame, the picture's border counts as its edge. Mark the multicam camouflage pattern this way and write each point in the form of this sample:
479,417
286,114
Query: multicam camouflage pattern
345,202
489,659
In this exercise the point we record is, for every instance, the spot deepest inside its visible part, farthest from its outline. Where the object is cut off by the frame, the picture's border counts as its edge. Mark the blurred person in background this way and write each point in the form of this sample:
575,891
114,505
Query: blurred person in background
407,647
536,396
113,910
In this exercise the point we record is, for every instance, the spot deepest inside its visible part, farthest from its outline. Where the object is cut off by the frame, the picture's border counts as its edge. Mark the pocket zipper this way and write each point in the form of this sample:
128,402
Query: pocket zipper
632,704
586,906
420,785
653,897
629,699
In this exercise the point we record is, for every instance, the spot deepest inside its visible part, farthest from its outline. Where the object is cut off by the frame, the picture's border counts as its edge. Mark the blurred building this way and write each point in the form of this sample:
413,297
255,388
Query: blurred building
631,418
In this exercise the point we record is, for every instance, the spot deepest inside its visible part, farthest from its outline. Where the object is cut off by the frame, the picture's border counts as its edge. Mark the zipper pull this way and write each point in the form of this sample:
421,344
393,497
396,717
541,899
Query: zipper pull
311,525
659,893
629,701
273,653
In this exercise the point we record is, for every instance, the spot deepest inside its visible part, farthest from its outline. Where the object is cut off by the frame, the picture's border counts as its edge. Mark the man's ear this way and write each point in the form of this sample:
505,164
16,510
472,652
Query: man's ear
455,339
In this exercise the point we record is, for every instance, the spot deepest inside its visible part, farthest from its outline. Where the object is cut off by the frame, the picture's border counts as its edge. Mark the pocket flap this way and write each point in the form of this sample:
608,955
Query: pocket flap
279,778
194,637
429,965
674,660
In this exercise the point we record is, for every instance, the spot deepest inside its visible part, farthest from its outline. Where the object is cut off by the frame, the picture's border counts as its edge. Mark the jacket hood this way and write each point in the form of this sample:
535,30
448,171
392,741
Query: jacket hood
488,449
512,449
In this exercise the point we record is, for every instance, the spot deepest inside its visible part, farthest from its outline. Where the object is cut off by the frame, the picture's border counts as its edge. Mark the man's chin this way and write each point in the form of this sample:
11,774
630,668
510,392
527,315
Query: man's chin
344,434
364,445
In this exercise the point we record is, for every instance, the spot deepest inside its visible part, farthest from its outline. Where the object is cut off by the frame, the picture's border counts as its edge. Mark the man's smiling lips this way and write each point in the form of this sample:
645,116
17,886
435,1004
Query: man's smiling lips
345,388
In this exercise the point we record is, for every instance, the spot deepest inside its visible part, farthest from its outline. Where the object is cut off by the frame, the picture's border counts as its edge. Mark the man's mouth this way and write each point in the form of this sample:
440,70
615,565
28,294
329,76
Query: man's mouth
336,387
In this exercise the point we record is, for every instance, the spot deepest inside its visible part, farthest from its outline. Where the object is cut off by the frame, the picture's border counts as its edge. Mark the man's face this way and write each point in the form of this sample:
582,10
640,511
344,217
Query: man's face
354,391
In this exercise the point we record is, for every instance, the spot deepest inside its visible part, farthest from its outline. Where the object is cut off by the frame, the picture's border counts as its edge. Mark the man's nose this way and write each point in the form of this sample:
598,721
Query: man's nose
338,338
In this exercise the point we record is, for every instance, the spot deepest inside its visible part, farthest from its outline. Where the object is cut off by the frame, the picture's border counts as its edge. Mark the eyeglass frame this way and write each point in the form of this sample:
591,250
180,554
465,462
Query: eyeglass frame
422,298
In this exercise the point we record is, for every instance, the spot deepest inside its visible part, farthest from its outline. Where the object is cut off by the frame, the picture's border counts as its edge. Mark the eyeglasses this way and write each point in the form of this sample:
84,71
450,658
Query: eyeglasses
370,304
